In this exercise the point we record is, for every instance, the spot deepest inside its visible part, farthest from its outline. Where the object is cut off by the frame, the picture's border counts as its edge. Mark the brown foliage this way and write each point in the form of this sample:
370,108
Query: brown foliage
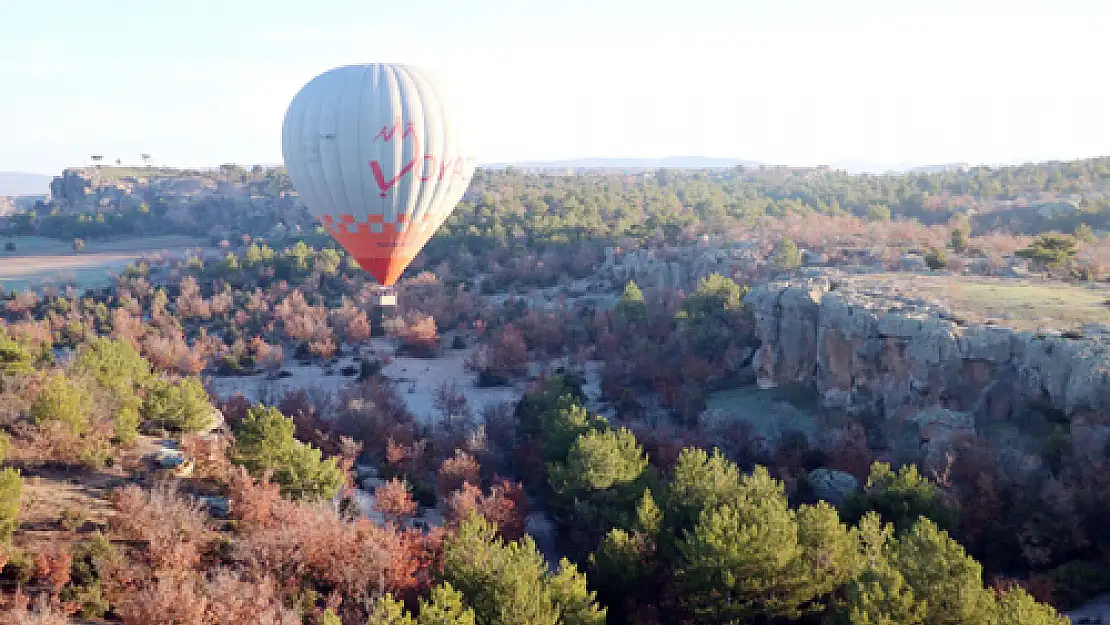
419,334
171,527
188,597
371,412
169,351
394,501
505,505
21,612
36,333
210,455
456,471
301,321
312,543
54,442
351,323
847,450
127,326
266,356
506,355
189,304
52,565
254,502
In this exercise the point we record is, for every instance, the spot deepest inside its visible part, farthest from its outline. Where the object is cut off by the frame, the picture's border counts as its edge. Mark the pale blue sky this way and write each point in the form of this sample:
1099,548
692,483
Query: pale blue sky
784,81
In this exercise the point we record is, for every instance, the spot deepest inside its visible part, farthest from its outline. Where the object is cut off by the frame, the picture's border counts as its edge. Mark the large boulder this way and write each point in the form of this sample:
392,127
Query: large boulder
831,485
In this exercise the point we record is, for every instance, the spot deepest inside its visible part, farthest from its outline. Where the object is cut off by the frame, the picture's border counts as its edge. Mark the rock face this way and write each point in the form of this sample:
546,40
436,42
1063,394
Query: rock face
831,485
860,355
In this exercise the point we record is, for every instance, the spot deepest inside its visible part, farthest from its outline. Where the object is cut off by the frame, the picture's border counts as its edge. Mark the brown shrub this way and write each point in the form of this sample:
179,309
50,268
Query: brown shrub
21,612
394,501
505,505
171,526
189,597
52,565
456,471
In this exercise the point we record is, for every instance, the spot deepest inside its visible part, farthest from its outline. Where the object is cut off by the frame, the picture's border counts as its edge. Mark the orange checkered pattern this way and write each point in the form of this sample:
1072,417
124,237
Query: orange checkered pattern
382,248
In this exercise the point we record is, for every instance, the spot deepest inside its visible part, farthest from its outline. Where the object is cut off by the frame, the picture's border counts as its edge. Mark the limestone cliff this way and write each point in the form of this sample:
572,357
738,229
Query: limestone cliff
894,358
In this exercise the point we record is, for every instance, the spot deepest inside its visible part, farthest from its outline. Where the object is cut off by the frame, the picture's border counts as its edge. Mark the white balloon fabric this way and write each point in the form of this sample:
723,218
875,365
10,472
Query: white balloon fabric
375,154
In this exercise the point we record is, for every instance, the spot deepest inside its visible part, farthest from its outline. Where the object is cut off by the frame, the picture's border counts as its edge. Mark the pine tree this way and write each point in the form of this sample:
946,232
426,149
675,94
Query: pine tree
182,406
756,558
1017,607
509,584
63,399
632,306
599,461
446,607
389,611
938,570
264,442
11,490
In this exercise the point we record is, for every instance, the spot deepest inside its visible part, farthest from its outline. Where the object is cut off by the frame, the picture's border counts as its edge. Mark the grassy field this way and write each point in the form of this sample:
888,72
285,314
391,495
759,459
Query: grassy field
1011,303
37,261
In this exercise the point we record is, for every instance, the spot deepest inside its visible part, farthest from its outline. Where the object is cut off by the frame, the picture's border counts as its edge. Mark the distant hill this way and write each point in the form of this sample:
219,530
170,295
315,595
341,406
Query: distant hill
670,162
14,183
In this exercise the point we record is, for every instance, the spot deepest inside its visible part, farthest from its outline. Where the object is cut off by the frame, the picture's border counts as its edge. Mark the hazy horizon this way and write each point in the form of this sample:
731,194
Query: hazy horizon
864,85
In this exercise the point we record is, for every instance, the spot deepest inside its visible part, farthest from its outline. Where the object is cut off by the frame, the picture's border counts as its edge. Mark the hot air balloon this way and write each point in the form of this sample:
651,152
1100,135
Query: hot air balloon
376,154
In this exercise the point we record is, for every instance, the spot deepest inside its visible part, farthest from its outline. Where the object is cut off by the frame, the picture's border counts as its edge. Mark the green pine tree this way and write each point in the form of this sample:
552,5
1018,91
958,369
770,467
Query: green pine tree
445,607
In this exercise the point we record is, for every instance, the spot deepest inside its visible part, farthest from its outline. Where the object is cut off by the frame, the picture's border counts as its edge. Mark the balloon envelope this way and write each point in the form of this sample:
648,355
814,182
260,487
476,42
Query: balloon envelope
374,152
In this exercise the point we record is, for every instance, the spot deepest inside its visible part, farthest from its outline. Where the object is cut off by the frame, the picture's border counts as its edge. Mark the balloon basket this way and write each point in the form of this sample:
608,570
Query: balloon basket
383,305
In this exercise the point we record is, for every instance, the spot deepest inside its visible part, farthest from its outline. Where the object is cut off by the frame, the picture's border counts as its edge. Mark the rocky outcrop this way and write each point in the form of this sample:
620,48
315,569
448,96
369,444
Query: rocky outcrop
831,485
894,359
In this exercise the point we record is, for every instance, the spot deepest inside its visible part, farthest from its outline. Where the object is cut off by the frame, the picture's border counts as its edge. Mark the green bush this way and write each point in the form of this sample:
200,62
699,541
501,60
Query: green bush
936,259
265,442
63,399
181,407
11,490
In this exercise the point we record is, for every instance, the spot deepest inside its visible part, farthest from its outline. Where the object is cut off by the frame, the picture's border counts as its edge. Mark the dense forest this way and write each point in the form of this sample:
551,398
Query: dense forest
510,204
659,517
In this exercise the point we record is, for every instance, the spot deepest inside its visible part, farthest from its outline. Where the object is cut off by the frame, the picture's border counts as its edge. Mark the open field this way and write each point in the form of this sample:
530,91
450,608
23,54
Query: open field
1020,304
417,381
38,261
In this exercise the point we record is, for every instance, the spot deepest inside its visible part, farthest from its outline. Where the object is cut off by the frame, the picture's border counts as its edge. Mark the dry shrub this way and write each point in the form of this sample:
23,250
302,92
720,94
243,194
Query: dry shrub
210,455
55,443
847,450
189,304
504,504
221,303
35,333
371,412
190,597
314,543
301,321
505,356
351,323
171,527
323,347
52,565
21,612
127,326
169,351
266,356
394,501
418,334
456,471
